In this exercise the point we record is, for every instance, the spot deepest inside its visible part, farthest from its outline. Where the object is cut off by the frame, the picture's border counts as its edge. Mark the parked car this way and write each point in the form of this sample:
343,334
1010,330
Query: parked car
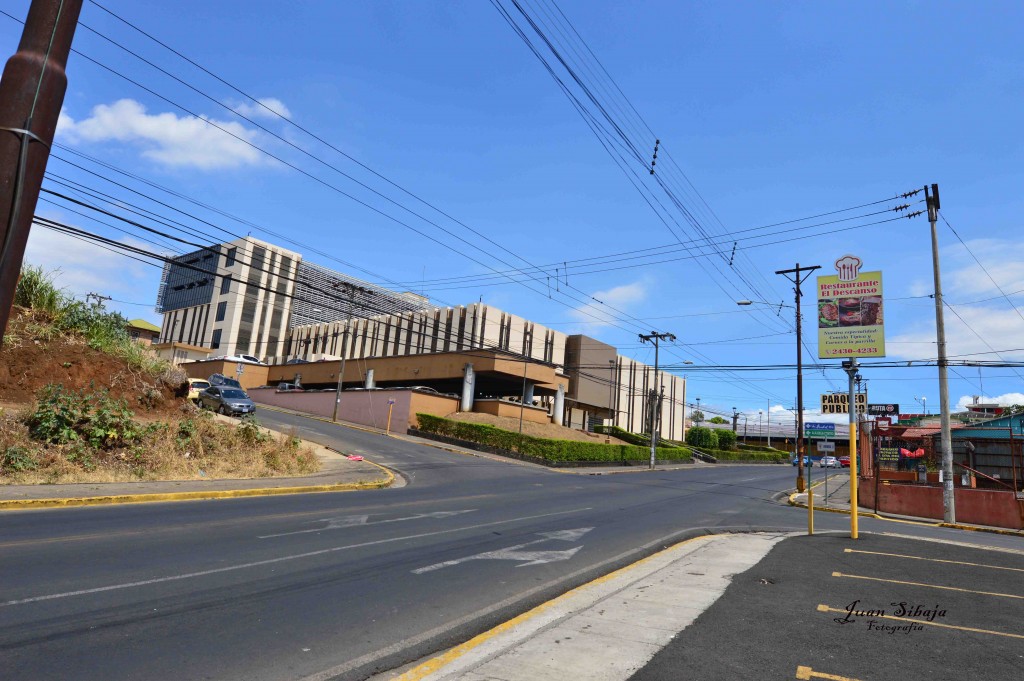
245,359
297,360
844,461
196,386
221,379
289,388
807,460
226,400
829,462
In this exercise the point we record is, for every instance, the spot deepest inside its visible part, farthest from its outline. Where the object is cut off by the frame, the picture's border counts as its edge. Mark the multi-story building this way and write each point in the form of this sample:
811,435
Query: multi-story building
254,298
241,297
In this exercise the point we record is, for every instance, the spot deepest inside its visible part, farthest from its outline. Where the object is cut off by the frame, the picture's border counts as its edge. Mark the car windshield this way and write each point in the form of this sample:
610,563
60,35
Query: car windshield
202,385
233,394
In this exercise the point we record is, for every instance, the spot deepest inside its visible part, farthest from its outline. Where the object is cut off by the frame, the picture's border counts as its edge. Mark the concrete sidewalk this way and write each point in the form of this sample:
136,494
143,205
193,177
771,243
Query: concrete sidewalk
609,628
337,474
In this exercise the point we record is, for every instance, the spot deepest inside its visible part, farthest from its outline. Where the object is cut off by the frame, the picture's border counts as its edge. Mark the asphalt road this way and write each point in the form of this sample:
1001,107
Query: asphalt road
342,585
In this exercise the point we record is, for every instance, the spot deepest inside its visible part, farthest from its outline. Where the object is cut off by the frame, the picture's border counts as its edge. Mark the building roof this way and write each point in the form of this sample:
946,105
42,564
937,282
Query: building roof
143,324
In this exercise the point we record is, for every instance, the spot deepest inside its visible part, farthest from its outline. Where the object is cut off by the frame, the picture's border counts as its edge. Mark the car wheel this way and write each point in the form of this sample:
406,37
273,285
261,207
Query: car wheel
221,410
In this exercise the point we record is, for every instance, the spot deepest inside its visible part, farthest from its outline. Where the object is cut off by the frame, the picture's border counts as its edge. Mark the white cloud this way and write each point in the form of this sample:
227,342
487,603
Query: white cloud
602,315
1003,400
164,137
81,267
255,110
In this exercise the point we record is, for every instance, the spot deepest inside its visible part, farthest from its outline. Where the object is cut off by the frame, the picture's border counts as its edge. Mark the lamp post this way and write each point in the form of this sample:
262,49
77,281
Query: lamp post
744,429
700,414
735,419
760,433
924,403
612,380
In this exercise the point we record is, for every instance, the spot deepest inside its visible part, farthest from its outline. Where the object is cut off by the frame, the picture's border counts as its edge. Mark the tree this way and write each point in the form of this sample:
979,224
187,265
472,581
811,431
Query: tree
705,438
717,419
726,439
696,416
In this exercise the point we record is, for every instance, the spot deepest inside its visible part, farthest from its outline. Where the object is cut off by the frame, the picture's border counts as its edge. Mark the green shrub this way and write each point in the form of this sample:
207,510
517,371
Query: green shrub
16,459
726,439
250,432
73,416
757,448
723,455
702,438
550,450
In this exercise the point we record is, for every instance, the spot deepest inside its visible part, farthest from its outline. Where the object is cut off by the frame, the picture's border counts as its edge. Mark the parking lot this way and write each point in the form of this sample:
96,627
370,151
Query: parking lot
880,607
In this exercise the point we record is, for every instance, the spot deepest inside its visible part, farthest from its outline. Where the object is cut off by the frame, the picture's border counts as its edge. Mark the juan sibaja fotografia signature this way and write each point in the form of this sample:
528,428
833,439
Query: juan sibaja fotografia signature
905,613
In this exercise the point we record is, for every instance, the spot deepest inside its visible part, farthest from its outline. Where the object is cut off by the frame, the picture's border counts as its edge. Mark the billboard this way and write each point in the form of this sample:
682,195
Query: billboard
850,316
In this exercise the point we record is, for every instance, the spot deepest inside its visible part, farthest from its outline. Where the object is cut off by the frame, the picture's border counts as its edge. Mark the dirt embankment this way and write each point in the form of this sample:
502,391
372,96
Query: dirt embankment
545,430
29,360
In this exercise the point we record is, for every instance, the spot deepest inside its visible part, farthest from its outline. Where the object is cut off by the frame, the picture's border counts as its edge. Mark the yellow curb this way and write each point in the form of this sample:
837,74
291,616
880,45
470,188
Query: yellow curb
430,666
972,528
13,504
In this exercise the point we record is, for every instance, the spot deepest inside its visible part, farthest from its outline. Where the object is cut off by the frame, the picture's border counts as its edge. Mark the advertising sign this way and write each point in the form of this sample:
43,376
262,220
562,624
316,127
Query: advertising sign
820,430
850,320
829,447
884,410
839,403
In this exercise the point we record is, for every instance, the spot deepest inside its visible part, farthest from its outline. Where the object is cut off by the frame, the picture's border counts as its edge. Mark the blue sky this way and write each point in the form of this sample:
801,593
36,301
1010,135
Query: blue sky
773,112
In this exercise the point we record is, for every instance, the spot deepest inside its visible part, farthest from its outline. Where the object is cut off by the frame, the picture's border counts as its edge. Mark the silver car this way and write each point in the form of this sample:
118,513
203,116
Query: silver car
829,462
226,400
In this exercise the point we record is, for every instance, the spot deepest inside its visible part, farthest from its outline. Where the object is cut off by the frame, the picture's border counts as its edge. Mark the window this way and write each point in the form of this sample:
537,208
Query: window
222,308
230,257
225,284
215,339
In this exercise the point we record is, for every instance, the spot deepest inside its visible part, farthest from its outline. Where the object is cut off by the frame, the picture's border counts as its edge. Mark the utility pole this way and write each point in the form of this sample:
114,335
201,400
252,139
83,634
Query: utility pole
656,338
31,93
797,280
948,499
99,298
769,424
351,290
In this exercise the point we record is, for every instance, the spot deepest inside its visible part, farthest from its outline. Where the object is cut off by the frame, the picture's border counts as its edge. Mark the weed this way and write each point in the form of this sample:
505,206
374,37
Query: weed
250,432
72,416
17,459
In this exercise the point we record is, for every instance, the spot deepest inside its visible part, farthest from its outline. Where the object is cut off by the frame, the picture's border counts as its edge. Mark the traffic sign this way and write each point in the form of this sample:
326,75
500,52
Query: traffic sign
829,447
822,431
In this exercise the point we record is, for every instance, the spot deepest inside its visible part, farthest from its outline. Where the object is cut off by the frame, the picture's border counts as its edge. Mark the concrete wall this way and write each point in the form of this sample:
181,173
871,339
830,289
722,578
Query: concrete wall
366,407
978,506
512,410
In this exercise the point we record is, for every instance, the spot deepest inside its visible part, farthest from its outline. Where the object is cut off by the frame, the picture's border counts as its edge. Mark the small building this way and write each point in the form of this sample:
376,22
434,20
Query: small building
142,331
178,353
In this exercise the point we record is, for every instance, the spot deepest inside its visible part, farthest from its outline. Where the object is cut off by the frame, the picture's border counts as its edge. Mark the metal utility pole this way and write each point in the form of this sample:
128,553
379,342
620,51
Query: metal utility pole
351,290
850,367
948,499
797,279
31,93
769,412
655,337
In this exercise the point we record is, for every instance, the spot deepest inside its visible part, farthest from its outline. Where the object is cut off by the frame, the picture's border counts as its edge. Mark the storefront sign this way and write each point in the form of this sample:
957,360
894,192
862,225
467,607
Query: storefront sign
838,403
850,319
889,410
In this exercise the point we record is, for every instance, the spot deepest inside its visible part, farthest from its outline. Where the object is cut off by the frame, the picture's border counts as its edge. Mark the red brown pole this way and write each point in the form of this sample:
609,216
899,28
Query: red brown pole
31,94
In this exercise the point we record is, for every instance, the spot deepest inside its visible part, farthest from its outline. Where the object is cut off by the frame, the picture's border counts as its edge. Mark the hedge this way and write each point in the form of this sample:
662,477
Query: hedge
759,448
726,439
550,450
749,456
702,438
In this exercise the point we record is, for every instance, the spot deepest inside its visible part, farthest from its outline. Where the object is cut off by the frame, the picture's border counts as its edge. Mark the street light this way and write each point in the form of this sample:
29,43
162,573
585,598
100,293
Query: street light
700,414
924,403
760,433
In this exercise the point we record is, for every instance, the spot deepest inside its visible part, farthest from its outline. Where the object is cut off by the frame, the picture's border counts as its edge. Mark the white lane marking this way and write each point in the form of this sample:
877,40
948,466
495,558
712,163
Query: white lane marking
516,552
281,559
354,520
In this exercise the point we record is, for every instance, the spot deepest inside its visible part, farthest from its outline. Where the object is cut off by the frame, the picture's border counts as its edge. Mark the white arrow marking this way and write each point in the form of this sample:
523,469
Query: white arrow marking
515,552
353,520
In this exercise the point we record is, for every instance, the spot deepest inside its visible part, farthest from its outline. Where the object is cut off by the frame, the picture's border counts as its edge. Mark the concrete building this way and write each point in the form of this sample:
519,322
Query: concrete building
241,297
141,331
251,297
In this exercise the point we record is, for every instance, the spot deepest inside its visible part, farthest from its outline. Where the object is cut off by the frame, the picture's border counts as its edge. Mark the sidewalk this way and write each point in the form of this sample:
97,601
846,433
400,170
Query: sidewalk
337,473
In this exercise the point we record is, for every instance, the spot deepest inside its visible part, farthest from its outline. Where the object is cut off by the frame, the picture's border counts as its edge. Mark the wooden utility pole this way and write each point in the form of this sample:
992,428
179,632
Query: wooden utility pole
31,94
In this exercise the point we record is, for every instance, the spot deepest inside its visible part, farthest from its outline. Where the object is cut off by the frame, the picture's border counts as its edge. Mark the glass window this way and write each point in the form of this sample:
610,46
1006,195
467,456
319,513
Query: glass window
222,308
225,284
230,257
215,339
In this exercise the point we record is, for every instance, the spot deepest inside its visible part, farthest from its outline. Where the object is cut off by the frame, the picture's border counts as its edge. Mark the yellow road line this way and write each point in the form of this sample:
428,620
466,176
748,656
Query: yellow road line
910,620
935,560
806,673
430,666
930,586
